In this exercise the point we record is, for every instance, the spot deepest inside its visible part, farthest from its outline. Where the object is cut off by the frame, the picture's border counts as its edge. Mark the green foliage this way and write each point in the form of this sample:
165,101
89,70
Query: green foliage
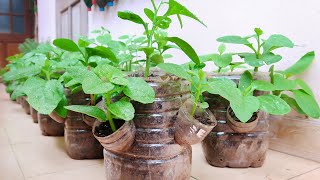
66,44
262,54
92,111
301,65
138,90
307,103
161,40
27,46
273,105
122,110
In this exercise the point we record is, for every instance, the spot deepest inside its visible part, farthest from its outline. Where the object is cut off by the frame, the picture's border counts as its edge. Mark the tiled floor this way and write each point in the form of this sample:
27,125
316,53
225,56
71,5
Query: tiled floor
26,154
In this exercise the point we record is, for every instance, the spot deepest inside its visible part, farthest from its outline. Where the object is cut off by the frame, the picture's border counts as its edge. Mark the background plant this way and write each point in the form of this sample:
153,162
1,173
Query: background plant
117,90
156,45
262,49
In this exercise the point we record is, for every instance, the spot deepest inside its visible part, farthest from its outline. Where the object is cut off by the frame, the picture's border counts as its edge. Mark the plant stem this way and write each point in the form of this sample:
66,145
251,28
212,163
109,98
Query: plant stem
256,69
196,101
150,35
109,115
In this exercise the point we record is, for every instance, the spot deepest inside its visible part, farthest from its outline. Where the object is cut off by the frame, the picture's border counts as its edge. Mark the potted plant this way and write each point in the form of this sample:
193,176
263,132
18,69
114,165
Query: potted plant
223,133
154,153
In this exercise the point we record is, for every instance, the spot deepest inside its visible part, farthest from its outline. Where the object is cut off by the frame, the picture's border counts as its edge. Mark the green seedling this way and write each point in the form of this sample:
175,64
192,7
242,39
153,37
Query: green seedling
116,89
262,49
157,45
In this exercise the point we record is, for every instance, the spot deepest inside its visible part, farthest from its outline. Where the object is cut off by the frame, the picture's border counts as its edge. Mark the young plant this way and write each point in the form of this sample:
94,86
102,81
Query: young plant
116,89
222,60
300,96
197,78
262,49
241,98
156,48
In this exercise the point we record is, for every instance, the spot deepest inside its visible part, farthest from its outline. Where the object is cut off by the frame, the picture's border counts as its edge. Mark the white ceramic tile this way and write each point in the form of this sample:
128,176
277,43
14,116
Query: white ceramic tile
95,172
47,156
278,166
9,168
313,175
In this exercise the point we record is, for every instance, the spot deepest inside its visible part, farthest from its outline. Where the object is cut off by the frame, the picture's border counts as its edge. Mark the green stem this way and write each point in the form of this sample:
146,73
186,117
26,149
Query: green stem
196,101
109,115
219,70
256,69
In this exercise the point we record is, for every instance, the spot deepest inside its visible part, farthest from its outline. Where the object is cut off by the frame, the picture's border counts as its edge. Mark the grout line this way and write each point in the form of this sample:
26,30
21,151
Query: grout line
63,171
304,173
15,156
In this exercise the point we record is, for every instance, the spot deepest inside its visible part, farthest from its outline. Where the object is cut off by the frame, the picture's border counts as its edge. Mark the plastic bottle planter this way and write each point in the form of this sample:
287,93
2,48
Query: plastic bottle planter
225,147
189,130
49,127
34,114
110,3
154,154
88,3
25,105
101,4
79,140
240,127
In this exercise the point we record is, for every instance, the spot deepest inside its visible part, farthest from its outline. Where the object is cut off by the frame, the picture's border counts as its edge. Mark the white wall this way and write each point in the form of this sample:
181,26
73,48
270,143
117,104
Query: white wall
299,20
46,20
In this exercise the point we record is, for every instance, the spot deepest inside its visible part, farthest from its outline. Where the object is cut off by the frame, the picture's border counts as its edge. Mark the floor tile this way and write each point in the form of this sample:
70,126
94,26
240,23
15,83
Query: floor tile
47,156
312,175
4,139
95,172
278,166
9,168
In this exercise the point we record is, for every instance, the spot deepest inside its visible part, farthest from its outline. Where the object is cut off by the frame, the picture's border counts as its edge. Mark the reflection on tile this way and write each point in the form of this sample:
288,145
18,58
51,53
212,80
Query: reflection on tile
44,157
278,166
312,175
95,172
9,168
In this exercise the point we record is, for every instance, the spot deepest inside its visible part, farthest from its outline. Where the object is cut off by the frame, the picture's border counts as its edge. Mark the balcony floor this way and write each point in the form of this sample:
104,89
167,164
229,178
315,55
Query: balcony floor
26,154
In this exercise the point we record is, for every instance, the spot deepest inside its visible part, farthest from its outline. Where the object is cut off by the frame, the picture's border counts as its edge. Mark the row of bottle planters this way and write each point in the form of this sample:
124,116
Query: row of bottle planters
150,146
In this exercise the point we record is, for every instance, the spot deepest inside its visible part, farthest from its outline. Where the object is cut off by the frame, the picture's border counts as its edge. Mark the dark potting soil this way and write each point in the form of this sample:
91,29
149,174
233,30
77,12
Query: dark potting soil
203,120
104,128
253,117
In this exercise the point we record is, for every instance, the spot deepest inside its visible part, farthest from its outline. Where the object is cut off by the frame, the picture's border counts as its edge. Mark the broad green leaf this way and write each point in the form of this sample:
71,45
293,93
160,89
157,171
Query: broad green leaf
258,31
130,16
124,37
46,98
270,58
119,80
167,56
208,57
282,83
66,44
186,48
17,92
252,60
222,48
92,111
245,107
175,69
102,52
301,65
92,84
292,103
149,13
122,110
176,8
204,105
104,39
225,88
31,84
233,40
78,73
138,90
245,81
157,59
109,72
222,61
262,85
277,41
83,43
304,86
21,73
307,103
71,83
163,22
273,105
60,110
